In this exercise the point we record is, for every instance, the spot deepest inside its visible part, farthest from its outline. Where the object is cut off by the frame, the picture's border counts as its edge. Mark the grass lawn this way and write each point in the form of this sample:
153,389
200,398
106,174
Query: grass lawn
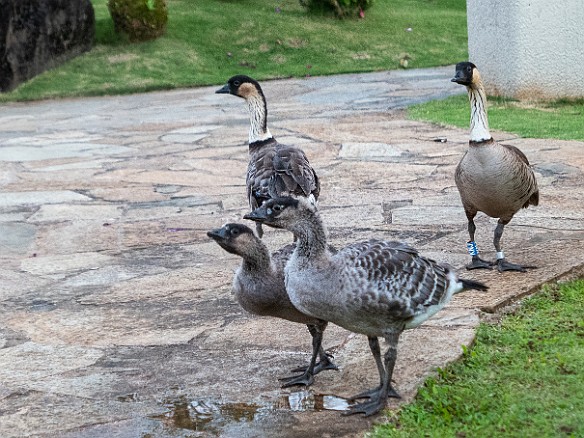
523,377
209,41
561,119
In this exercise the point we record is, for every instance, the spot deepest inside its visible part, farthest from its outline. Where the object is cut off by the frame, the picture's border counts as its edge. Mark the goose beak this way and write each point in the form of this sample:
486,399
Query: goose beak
258,215
223,90
460,78
216,234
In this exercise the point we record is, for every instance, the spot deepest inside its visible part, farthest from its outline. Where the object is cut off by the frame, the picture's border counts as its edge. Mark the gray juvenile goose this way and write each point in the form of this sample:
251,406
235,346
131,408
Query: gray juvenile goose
491,177
376,288
274,169
258,286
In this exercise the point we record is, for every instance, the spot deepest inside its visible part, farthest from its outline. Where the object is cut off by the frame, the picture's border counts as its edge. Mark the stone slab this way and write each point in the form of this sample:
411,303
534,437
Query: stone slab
10,199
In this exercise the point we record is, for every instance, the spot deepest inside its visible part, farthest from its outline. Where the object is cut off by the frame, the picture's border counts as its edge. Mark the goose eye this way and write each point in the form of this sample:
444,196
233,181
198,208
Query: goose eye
469,69
236,83
278,207
234,232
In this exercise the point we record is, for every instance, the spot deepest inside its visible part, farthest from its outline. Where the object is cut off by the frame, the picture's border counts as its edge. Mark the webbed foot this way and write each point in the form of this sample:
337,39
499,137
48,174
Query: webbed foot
504,265
377,401
305,379
324,364
374,393
478,263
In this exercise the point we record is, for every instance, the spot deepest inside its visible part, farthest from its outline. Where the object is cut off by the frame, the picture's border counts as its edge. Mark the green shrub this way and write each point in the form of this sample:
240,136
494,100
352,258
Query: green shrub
139,20
340,8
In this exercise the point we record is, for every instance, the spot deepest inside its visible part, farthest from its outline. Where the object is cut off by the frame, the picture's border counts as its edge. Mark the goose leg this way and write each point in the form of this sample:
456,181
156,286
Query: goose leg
259,230
325,362
306,378
253,204
377,397
502,264
376,351
476,262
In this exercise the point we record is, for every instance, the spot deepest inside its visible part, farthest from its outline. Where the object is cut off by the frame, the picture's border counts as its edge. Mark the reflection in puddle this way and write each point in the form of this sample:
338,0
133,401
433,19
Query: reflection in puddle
309,401
206,415
201,415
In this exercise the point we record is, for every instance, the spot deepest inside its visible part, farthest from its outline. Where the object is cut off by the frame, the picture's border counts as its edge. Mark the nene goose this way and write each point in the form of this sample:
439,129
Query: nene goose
491,177
258,286
375,287
274,170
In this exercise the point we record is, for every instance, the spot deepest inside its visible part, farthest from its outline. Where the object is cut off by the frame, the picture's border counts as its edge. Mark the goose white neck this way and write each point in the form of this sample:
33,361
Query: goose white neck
258,114
479,123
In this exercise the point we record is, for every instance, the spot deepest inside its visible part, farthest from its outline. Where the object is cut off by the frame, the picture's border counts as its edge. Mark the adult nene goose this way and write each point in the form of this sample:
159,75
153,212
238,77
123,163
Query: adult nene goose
274,170
491,177
376,288
258,286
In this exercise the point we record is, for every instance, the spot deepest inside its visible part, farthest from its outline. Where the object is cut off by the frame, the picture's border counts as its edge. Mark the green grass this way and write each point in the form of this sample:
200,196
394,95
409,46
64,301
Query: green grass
560,119
209,41
523,377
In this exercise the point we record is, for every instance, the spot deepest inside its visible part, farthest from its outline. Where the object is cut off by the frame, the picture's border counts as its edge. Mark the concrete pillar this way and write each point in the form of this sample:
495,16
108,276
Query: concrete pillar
528,49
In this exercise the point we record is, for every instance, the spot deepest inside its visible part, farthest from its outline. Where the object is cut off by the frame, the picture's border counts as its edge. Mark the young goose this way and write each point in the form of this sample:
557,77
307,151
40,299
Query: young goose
258,286
491,177
274,169
375,287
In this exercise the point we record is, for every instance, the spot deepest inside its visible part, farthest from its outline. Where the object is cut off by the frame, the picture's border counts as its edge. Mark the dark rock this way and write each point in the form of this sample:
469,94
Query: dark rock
36,35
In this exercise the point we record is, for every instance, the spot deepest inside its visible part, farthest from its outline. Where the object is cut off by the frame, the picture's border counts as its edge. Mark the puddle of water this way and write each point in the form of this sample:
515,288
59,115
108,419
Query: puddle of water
209,416
202,415
302,401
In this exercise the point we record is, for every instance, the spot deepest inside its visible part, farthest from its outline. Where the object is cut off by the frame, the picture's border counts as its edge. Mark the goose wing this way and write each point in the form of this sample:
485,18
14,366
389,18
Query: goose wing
293,174
525,175
260,171
281,256
405,282
275,171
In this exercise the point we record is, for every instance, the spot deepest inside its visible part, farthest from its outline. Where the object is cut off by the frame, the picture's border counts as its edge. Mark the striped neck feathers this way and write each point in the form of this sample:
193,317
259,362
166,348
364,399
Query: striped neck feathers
258,116
479,123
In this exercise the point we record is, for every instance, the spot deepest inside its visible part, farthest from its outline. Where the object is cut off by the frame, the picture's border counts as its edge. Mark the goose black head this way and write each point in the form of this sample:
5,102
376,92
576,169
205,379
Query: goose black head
465,73
233,238
241,86
276,212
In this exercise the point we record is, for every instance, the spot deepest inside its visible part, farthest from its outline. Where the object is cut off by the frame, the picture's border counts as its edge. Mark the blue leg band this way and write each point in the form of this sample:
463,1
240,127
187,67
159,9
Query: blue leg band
472,248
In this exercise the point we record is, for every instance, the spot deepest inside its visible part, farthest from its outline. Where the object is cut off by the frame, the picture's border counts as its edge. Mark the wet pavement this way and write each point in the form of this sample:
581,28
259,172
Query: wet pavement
116,316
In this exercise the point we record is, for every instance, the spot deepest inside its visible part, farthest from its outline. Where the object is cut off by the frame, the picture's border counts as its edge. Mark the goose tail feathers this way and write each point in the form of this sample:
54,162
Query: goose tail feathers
471,284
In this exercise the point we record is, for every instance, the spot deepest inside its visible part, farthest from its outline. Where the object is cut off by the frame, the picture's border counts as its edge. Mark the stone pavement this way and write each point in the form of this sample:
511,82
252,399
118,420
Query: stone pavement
116,315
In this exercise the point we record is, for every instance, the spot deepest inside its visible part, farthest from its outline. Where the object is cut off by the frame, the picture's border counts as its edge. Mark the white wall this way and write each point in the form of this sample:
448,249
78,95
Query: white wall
528,49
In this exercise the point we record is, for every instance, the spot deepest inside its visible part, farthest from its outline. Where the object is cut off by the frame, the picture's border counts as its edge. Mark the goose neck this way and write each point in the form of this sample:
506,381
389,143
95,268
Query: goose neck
311,237
258,115
257,258
479,123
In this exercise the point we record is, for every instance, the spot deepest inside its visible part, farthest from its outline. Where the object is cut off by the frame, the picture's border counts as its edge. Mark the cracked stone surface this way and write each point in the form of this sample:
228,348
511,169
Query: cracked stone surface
116,315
